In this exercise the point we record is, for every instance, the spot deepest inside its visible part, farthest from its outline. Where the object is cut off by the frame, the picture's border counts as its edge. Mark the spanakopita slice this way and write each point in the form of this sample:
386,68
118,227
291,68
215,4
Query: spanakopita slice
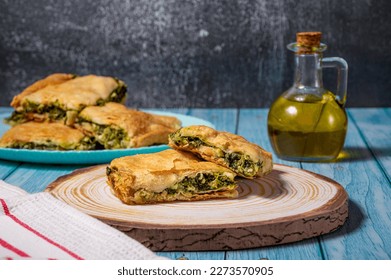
115,126
45,136
169,175
60,97
227,149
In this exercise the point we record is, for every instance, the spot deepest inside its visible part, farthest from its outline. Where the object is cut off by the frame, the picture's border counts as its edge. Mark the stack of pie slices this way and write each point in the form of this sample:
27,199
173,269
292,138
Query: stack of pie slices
203,164
69,112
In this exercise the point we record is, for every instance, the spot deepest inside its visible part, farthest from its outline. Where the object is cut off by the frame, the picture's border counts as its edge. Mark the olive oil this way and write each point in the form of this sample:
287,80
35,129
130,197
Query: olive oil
308,122
307,127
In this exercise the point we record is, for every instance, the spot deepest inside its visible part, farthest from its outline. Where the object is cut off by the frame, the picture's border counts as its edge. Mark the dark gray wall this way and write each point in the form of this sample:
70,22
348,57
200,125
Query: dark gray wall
197,53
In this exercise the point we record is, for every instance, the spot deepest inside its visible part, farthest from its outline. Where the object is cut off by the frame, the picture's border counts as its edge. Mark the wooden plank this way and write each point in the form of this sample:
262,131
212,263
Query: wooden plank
374,125
223,119
34,178
306,249
253,126
7,167
366,234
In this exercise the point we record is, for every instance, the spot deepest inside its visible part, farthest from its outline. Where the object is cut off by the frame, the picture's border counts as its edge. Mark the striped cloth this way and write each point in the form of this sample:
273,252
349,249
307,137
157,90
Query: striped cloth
38,226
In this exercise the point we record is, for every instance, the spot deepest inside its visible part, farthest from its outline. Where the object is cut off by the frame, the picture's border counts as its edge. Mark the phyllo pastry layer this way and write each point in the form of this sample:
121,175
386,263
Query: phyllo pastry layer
115,126
230,150
59,97
169,175
45,136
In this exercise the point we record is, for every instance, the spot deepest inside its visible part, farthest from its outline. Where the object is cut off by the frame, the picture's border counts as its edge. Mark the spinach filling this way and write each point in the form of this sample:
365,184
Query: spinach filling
240,163
202,183
85,144
54,112
110,137
118,95
193,142
110,170
31,145
16,118
189,186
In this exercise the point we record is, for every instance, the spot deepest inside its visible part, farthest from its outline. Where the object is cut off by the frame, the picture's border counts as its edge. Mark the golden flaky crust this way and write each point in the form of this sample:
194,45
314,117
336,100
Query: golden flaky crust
159,171
51,80
42,133
143,129
70,93
226,142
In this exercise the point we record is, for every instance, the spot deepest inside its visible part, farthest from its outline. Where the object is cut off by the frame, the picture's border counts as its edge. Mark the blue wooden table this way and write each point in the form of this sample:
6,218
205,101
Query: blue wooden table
363,169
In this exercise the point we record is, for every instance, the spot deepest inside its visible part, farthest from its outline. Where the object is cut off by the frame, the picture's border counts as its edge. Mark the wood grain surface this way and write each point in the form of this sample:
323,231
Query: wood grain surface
288,205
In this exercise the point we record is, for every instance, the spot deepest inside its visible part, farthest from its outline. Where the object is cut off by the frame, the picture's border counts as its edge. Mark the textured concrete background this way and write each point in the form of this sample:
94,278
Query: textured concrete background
196,53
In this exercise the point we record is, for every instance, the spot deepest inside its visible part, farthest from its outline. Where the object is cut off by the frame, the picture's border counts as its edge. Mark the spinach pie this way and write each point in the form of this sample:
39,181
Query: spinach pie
45,136
115,126
230,150
169,175
60,97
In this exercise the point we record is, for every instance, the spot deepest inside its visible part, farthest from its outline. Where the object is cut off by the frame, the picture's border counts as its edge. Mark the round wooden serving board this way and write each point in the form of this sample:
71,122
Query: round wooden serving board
287,205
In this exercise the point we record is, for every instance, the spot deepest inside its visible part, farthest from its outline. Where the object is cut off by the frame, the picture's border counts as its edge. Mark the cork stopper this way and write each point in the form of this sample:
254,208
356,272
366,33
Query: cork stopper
308,42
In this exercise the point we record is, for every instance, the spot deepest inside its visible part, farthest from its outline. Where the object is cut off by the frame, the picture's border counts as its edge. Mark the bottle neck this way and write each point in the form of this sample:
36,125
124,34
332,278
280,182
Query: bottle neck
308,72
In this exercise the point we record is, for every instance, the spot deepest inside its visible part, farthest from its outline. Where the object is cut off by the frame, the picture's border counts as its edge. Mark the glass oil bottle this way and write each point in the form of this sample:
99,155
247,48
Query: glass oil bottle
308,122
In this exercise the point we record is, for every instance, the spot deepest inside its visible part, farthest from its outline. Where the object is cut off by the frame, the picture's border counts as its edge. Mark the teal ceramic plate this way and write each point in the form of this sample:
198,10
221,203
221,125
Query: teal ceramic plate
88,157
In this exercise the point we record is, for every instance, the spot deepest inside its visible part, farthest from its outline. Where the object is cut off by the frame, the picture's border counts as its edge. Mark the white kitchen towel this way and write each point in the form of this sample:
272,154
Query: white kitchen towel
39,226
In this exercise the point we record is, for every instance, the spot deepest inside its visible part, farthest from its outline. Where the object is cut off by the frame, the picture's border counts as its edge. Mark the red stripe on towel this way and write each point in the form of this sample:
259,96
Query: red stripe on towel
7,212
5,207
17,251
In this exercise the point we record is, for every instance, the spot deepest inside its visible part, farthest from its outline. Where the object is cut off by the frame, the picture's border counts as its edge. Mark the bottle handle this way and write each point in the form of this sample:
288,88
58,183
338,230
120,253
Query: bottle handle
342,79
